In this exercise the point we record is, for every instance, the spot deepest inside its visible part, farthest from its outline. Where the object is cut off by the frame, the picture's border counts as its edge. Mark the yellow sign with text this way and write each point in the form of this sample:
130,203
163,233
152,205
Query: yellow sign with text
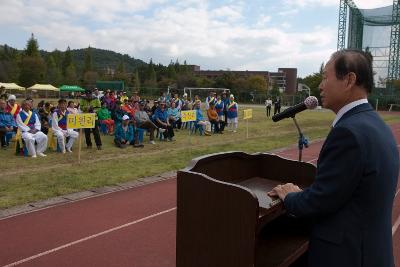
188,115
81,121
247,114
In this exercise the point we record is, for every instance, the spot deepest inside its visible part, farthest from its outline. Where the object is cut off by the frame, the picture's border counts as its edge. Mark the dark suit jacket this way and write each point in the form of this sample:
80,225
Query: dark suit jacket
351,199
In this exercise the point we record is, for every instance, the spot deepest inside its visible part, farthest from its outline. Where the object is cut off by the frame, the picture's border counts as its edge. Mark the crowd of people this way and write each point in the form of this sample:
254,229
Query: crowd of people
125,118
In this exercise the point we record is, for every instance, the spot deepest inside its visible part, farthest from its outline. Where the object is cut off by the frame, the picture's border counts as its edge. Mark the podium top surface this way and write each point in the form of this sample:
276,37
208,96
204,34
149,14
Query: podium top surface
260,186
233,167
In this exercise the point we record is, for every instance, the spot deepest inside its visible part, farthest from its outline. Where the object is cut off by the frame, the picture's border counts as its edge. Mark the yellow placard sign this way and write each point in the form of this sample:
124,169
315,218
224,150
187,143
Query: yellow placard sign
188,115
247,114
79,121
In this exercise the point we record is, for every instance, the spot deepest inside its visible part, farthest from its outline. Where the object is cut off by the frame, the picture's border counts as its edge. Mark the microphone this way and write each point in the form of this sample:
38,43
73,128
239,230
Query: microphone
310,102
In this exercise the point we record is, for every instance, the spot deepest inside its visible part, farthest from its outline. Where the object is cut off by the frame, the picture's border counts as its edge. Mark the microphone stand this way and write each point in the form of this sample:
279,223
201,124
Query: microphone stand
303,142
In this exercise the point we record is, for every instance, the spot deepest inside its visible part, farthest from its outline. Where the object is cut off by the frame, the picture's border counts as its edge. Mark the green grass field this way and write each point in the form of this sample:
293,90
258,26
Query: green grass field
25,179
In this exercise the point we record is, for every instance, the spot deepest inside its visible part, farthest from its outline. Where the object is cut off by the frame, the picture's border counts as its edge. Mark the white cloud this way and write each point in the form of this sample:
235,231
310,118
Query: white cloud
364,4
307,3
288,12
286,25
231,13
215,38
262,20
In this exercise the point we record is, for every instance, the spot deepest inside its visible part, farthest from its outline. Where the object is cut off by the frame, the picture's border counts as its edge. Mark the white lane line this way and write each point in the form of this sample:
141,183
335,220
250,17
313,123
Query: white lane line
85,198
395,225
310,161
88,238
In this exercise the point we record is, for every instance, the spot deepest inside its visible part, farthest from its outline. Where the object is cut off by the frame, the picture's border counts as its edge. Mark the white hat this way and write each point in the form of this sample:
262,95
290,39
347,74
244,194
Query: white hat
11,97
125,117
231,96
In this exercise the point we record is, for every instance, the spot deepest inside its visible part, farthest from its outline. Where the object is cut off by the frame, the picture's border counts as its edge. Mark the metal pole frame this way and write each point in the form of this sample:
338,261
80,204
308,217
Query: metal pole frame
393,67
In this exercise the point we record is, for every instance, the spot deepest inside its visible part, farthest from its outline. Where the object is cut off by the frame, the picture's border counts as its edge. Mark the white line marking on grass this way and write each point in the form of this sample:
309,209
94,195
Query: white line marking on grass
88,238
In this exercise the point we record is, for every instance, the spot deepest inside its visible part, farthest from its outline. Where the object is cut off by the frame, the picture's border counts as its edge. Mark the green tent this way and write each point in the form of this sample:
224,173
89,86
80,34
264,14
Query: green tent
71,88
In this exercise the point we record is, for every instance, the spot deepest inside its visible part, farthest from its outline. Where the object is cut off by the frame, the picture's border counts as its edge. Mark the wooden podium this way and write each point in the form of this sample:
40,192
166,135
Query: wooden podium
225,218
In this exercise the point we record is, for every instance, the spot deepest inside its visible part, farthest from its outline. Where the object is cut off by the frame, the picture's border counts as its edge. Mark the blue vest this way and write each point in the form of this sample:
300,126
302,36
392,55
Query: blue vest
219,107
199,115
62,119
232,111
32,120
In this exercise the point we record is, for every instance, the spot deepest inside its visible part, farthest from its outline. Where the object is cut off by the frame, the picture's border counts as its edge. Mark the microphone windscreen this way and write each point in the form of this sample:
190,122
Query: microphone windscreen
311,102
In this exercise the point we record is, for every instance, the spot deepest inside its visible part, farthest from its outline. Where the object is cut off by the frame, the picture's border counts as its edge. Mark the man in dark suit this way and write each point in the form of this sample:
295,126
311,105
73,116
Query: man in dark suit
350,202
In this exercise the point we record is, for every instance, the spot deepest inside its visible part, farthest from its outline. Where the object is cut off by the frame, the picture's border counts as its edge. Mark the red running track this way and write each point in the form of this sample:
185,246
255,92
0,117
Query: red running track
134,227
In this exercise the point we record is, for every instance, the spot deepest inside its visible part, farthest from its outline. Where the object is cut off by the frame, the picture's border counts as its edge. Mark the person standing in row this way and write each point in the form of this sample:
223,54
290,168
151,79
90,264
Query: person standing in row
220,108
232,114
268,105
90,104
277,105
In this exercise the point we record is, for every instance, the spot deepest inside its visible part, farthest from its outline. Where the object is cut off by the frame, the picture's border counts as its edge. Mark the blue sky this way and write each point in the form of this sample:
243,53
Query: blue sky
236,35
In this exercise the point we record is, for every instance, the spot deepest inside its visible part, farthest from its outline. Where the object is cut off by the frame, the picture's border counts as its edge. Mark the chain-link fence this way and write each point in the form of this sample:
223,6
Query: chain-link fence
378,97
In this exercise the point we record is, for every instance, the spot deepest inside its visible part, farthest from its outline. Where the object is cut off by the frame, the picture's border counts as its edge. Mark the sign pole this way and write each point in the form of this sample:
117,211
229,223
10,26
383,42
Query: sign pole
189,116
81,121
80,146
247,128
247,114
190,144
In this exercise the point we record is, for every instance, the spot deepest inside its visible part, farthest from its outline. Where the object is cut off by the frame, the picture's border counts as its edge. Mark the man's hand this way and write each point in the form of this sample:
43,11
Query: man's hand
282,190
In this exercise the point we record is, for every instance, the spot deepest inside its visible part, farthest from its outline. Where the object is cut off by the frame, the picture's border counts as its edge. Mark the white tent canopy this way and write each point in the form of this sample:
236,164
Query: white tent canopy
43,87
12,86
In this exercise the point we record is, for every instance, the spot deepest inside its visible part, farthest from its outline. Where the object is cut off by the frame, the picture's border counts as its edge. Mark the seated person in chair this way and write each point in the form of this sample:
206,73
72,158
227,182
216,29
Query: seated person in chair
7,124
59,126
200,119
124,133
143,121
174,116
104,116
29,129
13,107
161,120
118,114
213,117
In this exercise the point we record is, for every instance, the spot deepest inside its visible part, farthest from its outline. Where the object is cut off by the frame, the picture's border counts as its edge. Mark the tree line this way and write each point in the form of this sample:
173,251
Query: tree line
86,66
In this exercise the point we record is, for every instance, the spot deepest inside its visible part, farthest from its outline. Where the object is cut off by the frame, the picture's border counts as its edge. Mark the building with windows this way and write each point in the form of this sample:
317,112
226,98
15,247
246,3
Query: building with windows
285,78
